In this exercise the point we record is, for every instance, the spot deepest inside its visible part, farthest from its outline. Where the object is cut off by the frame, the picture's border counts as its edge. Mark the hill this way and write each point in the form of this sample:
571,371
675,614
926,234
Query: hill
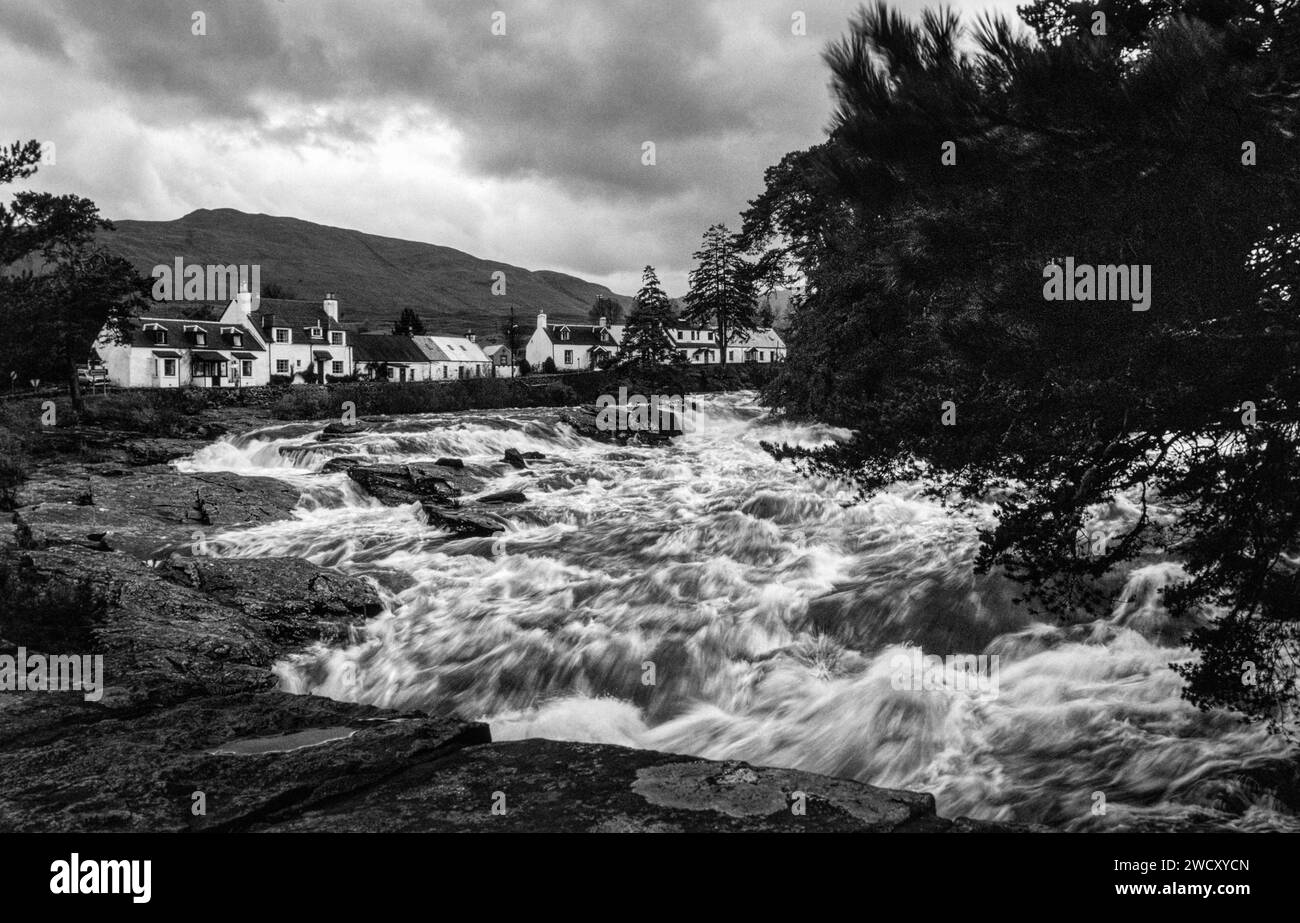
374,277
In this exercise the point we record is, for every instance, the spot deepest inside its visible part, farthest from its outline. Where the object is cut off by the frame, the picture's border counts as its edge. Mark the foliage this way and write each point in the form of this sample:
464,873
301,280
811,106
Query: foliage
722,288
923,284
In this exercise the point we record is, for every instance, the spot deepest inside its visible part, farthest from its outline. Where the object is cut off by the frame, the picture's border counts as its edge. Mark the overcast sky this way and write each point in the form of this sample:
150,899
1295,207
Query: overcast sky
409,118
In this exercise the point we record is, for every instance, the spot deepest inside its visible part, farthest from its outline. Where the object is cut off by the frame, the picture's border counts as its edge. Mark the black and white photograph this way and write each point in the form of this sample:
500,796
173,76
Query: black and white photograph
699,417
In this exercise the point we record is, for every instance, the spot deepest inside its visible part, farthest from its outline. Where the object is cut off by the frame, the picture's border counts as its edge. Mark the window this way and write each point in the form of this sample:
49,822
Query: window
336,368
316,333
336,337
200,338
282,366
444,371
564,333
246,368
281,335
731,355
159,336
568,357
236,338
169,366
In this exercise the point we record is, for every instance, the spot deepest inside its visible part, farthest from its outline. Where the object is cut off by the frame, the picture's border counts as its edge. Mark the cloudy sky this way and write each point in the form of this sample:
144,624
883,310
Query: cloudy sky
410,118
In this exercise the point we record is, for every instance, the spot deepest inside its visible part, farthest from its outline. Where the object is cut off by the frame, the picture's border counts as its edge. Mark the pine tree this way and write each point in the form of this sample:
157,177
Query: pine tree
647,337
408,324
722,291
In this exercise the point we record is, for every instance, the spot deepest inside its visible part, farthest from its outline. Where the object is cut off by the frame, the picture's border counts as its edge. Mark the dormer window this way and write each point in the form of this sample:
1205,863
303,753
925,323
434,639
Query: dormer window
336,337
200,338
236,338
159,336
564,333
317,333
281,334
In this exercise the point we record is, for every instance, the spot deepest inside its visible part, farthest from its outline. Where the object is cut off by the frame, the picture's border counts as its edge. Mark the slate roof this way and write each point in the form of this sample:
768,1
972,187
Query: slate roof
179,337
299,316
579,335
450,349
385,347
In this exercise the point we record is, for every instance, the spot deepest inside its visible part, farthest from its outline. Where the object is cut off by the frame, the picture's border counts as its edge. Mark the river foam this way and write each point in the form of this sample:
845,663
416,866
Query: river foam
768,609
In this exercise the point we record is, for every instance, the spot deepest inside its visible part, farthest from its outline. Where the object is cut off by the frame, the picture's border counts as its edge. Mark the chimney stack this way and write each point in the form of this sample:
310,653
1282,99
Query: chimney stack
470,336
541,320
331,306
244,299
602,321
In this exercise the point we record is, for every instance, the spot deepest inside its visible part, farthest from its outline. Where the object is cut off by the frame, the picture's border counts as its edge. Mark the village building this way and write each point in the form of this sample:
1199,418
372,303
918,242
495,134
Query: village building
572,347
389,357
499,355
454,357
761,345
303,339
172,352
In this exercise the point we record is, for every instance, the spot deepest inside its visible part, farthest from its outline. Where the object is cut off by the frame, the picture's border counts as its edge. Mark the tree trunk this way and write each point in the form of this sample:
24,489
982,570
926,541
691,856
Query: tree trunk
74,387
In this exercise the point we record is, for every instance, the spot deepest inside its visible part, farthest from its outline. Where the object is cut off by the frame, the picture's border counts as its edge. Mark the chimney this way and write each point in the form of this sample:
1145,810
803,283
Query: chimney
331,306
602,321
469,335
244,299
541,321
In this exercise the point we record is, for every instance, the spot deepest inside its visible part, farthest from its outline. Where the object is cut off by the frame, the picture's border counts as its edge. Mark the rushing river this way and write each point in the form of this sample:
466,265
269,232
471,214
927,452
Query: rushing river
705,599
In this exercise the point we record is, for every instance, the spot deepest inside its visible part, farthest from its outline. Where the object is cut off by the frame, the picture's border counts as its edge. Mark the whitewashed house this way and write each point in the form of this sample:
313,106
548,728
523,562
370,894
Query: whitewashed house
167,352
572,347
389,357
303,339
454,357
761,345
700,346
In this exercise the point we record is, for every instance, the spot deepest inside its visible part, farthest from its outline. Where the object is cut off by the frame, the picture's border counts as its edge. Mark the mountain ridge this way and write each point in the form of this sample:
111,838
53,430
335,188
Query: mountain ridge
374,276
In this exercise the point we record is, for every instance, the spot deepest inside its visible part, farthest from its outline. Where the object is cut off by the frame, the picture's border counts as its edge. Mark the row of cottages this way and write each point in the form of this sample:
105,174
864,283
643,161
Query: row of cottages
393,357
574,347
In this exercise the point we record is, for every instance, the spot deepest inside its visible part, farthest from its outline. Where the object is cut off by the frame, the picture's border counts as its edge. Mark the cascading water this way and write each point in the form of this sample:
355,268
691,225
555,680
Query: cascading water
768,609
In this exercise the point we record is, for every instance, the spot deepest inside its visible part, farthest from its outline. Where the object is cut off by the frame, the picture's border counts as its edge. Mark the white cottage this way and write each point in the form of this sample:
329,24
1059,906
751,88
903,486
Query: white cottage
303,339
572,347
166,352
454,357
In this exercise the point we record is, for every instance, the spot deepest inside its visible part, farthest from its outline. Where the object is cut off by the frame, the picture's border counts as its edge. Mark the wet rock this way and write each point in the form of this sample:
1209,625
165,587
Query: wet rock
401,484
572,787
149,512
533,455
464,523
145,768
503,496
341,431
583,421
179,628
514,459
447,462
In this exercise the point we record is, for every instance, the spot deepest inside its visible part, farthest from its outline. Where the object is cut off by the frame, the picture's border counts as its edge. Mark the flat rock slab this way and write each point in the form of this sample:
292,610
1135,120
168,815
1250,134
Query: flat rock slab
547,785
140,773
147,512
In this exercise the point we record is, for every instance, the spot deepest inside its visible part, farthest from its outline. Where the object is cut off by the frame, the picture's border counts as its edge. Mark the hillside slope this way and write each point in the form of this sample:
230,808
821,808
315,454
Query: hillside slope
375,277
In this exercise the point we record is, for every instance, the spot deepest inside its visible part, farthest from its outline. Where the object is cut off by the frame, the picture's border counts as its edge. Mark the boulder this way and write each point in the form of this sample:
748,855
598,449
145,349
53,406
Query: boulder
514,459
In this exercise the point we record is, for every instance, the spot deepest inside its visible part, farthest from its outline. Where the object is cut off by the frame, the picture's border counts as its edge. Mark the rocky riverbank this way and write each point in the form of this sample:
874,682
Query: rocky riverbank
103,555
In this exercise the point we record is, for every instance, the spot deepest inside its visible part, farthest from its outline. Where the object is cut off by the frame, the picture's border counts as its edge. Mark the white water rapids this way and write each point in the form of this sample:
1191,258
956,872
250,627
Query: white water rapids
771,607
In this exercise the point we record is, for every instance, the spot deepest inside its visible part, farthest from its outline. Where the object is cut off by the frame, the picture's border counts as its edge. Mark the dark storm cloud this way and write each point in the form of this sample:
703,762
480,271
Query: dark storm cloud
570,92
